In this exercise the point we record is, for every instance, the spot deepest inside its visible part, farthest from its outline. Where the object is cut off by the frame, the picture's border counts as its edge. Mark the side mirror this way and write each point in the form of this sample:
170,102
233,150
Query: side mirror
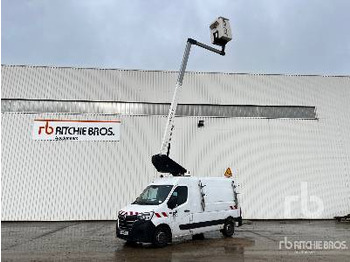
172,203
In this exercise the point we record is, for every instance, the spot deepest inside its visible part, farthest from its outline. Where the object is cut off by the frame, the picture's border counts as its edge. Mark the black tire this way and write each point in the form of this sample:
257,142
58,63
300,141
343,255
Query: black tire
161,237
229,227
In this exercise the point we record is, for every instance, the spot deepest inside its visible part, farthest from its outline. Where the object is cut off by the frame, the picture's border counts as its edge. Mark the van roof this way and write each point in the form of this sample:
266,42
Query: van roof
178,179
172,180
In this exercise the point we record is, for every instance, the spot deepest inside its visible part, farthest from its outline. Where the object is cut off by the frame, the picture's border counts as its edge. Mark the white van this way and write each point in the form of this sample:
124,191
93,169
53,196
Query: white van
173,207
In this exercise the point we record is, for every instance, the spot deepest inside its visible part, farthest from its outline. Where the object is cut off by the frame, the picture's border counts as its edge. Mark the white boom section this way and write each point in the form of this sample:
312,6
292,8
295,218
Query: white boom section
172,110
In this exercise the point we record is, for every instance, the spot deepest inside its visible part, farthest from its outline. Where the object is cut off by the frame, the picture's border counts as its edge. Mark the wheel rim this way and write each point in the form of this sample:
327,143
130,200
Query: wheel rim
161,237
229,228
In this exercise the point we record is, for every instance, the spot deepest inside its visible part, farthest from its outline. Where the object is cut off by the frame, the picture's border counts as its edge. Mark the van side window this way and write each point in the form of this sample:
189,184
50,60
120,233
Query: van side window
181,192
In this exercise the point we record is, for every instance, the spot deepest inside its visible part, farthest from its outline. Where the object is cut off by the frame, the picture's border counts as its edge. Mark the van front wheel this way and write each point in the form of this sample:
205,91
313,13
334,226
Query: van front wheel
161,237
229,227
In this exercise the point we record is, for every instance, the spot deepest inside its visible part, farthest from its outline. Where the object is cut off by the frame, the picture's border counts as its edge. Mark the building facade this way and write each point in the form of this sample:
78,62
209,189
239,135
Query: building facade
286,139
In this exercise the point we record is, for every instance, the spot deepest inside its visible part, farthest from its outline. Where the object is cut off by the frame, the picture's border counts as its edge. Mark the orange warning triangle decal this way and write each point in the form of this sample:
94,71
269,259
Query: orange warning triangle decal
228,173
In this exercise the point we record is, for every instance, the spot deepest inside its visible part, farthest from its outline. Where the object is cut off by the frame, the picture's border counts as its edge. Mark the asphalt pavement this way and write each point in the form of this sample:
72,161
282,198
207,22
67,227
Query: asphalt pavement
313,240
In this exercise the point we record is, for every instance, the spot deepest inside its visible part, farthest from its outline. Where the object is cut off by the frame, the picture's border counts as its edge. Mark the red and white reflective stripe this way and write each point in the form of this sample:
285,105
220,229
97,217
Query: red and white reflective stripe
132,213
159,215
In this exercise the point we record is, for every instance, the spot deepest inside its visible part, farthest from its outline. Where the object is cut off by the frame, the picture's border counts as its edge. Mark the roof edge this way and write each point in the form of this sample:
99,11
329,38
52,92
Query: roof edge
166,71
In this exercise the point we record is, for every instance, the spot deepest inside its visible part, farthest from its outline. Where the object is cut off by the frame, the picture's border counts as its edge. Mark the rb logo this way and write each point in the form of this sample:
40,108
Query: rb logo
48,129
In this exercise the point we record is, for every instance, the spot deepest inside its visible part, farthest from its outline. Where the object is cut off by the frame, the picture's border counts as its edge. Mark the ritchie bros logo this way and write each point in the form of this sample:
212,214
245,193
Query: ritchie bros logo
48,129
76,130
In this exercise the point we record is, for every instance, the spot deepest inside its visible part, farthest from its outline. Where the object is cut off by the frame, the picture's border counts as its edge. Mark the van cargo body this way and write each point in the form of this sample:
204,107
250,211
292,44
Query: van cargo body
173,207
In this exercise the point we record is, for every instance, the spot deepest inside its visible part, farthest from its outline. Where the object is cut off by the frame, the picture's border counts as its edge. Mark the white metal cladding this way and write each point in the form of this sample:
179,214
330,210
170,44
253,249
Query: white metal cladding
44,180
30,82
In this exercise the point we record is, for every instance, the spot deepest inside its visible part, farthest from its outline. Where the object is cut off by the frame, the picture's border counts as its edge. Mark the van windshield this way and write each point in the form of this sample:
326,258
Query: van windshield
153,195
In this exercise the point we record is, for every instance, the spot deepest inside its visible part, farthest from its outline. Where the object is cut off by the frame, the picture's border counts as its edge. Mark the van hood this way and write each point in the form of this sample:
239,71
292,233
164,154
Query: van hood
134,209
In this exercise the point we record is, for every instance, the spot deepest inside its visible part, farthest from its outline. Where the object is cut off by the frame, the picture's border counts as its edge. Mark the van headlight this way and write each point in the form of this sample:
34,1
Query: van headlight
145,216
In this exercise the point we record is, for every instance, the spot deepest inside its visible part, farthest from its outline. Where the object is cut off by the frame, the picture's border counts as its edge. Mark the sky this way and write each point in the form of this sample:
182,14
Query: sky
308,37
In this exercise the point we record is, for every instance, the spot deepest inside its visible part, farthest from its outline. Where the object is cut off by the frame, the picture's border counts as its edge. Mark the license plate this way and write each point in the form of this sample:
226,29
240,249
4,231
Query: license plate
124,232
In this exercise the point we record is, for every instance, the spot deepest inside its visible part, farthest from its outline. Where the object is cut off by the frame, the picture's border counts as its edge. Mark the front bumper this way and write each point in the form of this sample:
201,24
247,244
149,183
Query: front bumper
141,231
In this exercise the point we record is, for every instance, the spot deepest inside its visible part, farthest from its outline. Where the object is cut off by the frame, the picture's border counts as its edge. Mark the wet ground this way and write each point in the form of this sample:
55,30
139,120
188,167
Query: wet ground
254,241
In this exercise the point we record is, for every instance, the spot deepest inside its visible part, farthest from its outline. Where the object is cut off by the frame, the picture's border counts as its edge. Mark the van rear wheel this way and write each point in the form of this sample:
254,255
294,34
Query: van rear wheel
229,227
161,236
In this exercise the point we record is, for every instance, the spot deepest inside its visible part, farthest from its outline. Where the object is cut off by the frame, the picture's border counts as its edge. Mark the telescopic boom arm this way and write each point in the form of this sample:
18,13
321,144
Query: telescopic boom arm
165,148
220,35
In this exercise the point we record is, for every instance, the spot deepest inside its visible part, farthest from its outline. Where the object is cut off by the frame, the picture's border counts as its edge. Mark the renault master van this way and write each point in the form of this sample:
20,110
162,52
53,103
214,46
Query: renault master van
173,207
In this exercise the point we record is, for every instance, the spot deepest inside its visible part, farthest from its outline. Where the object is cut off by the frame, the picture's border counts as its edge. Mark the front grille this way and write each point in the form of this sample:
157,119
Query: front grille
126,222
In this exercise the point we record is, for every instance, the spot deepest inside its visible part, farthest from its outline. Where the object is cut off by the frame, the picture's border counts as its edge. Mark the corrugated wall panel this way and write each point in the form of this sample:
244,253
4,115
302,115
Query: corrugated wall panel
49,180
91,180
272,159
158,86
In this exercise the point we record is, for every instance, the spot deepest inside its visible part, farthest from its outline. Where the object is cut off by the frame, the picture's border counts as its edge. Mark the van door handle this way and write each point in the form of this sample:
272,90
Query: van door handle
186,210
